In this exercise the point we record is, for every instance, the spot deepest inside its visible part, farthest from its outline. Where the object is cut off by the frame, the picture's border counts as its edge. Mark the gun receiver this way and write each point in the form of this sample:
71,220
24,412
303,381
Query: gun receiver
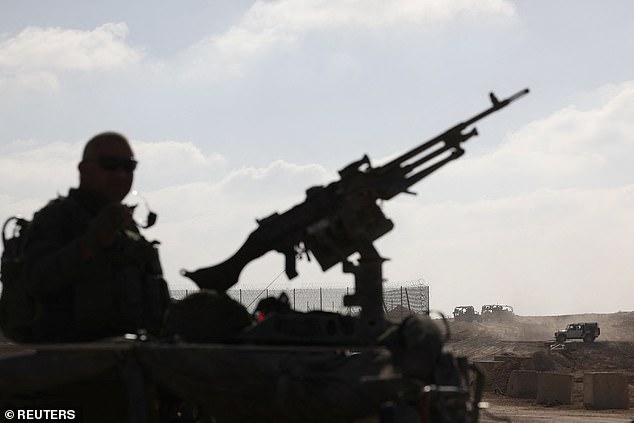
343,217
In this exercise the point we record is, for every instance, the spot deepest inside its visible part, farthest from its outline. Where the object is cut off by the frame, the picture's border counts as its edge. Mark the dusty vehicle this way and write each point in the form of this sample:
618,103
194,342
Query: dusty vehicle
586,331
497,312
465,314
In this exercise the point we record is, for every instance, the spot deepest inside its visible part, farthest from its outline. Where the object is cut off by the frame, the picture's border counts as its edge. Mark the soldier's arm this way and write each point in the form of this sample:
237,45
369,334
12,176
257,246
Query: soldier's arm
55,258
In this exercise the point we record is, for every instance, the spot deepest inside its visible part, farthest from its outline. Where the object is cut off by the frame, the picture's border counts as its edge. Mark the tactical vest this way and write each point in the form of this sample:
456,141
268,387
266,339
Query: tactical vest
122,289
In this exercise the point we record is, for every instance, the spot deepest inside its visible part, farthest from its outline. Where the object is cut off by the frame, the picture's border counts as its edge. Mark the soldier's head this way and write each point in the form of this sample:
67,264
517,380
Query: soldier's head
107,166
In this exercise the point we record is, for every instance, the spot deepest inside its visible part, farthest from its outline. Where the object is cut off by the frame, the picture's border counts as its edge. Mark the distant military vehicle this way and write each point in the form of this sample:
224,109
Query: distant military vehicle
496,312
588,331
465,314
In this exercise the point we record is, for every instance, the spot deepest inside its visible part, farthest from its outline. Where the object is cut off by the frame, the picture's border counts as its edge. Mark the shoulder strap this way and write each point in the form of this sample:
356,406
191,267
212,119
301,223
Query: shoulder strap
13,247
17,308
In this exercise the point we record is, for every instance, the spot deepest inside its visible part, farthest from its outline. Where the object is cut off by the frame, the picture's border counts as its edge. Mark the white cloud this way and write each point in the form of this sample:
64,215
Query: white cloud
32,170
242,194
572,130
297,16
35,48
268,24
38,171
572,147
170,163
34,58
278,175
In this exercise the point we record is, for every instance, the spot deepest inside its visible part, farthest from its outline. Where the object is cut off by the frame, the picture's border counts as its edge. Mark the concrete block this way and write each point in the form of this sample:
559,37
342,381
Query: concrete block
603,390
554,388
522,384
488,368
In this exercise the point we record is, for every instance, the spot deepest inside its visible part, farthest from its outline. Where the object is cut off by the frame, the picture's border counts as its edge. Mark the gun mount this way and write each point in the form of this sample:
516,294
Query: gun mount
343,218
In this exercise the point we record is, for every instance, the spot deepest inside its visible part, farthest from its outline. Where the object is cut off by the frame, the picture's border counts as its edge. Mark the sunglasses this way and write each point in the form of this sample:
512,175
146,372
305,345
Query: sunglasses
114,163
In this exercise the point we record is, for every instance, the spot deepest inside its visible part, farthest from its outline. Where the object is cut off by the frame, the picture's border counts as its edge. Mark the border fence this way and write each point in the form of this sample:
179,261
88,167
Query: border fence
398,298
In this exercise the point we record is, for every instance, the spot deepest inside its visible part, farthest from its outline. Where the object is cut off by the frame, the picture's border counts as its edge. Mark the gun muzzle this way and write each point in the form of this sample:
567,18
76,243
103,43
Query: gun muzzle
518,95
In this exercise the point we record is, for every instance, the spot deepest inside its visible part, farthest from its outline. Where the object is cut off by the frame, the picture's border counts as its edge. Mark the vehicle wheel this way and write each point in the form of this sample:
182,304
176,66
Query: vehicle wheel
588,338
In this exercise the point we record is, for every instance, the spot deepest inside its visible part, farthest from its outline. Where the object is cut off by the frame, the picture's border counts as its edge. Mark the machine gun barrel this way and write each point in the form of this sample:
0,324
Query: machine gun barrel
398,173
343,217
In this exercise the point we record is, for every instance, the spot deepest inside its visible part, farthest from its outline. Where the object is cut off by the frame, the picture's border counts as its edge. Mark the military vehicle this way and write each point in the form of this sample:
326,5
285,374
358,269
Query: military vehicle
465,314
286,366
586,331
496,312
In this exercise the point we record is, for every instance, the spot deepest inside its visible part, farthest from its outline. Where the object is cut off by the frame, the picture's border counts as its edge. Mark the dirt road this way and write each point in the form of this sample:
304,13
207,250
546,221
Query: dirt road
526,411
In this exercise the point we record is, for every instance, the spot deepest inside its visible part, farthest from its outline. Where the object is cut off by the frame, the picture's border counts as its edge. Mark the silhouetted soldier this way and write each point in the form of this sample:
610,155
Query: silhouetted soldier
90,271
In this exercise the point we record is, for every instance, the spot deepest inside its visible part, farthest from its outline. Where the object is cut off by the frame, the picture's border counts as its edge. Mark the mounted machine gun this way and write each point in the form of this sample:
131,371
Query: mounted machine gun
343,218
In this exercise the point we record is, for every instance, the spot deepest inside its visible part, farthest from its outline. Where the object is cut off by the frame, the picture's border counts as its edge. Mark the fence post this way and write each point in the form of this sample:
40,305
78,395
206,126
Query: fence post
321,300
401,311
409,307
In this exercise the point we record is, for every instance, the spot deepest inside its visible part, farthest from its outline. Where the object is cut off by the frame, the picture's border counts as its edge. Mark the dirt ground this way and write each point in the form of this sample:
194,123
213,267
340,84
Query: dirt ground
525,343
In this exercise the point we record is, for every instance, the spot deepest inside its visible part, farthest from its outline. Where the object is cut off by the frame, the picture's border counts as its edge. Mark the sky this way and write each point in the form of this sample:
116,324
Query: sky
235,108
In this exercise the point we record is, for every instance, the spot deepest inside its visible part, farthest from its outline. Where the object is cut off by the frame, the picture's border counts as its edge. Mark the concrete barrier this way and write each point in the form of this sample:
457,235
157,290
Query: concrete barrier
554,388
603,390
488,368
522,384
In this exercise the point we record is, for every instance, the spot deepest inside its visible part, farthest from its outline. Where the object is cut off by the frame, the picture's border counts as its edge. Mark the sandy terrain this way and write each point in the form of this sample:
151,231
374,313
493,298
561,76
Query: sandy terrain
525,343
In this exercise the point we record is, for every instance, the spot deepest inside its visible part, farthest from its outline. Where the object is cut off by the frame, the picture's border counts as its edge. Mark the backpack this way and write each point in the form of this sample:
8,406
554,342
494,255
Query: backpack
17,308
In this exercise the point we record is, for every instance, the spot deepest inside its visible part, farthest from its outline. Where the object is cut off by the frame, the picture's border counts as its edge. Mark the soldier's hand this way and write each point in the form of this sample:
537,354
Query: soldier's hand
104,227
